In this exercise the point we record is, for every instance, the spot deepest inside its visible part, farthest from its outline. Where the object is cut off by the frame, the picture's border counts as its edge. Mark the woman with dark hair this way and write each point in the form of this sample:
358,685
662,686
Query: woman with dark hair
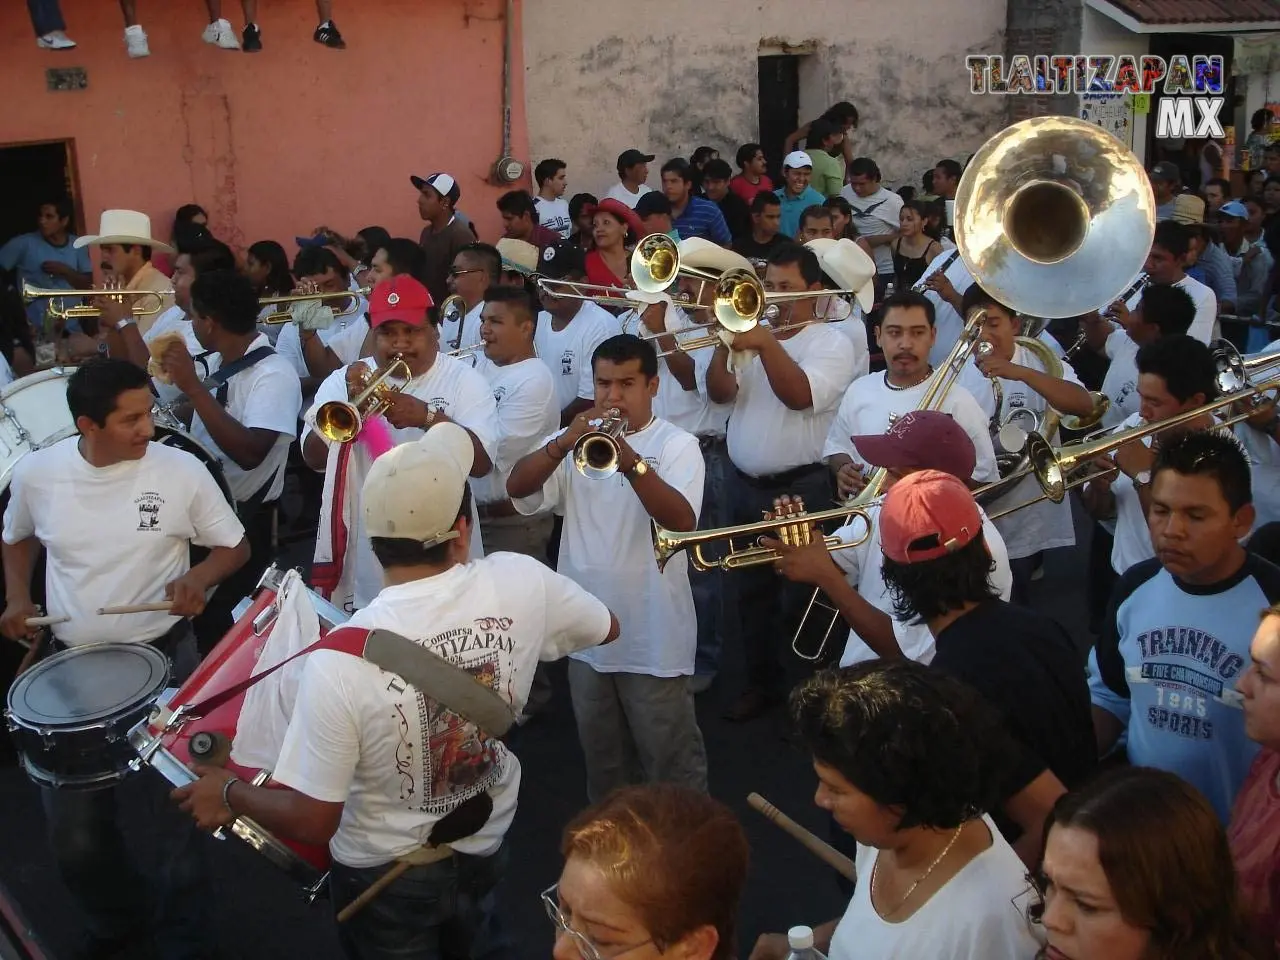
698,163
582,211
914,249
267,267
658,866
1137,867
908,762
615,229
190,231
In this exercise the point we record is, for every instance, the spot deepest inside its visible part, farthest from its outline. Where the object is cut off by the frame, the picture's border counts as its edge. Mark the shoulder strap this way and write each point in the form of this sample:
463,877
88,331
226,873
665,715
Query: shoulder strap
218,382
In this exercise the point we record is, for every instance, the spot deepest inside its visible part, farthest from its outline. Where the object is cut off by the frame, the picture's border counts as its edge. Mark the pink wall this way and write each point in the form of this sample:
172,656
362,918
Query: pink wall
275,143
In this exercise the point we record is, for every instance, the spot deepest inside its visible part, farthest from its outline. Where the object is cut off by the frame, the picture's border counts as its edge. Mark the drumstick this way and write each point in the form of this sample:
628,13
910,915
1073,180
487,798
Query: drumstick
46,621
375,888
163,605
819,848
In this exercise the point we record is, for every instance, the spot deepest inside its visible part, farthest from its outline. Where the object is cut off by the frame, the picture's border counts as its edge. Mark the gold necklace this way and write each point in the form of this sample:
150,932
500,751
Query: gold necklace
919,880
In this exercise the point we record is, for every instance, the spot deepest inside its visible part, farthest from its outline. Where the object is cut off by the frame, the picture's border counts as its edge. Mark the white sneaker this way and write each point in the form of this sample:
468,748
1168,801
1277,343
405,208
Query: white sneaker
221,34
136,42
55,40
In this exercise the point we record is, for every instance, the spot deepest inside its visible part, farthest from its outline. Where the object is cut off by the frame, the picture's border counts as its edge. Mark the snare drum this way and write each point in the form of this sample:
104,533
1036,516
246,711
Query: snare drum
71,714
232,661
33,414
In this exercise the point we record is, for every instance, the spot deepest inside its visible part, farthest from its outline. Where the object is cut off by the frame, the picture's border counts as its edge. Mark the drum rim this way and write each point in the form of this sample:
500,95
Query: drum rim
44,777
141,648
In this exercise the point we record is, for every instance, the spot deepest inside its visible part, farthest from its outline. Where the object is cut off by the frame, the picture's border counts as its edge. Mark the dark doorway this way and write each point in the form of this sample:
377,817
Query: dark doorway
32,173
1189,45
779,78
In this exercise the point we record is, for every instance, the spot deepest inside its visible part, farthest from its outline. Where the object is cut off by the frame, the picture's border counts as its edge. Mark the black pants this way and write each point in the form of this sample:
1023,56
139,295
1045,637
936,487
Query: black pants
212,625
769,607
1102,578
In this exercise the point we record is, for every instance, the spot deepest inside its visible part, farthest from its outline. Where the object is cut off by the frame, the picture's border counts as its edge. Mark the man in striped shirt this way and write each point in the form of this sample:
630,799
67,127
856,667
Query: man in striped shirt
692,216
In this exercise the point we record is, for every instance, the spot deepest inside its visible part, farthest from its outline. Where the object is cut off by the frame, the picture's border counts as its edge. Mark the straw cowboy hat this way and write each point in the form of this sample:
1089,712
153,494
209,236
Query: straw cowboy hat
845,262
124,226
705,255
518,255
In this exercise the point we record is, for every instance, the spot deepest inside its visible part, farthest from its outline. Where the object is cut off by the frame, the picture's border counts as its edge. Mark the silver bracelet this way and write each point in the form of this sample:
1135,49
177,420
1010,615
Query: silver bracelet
226,792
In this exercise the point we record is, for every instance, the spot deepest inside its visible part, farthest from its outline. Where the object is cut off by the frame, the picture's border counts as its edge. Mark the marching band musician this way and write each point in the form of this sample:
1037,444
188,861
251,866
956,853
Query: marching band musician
125,245
784,396
441,389
1260,437
117,516
245,414
1024,385
305,341
370,765
1175,374
1164,268
399,256
631,700
907,336
476,267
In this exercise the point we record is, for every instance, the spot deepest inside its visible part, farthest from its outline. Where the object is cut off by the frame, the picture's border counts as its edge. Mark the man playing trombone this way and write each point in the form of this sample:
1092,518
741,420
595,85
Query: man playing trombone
612,472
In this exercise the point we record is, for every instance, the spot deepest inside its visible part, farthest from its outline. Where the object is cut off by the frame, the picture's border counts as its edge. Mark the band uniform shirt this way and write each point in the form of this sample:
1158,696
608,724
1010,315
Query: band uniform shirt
265,396
567,353
28,252
174,320
149,278
348,343
554,215
876,216
1166,666
863,565
451,386
525,396
462,333
1044,525
690,410
400,761
289,343
606,547
115,535
765,436
947,321
869,405
846,317
1205,325
1120,383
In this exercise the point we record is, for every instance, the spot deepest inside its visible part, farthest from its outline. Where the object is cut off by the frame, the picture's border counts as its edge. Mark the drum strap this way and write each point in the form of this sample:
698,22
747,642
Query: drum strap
218,382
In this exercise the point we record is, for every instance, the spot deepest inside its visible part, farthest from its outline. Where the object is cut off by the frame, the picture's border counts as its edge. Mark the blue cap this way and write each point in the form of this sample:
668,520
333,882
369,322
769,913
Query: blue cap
320,241
1234,208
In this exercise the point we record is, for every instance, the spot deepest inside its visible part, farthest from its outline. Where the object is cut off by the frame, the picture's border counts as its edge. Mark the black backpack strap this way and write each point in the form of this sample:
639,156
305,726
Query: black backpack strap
218,382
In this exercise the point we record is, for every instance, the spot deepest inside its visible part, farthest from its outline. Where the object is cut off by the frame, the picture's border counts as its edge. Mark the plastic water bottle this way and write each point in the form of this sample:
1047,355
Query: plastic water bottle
800,939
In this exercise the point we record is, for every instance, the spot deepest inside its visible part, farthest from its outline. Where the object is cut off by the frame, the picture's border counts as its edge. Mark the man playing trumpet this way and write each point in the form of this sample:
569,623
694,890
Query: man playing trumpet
440,389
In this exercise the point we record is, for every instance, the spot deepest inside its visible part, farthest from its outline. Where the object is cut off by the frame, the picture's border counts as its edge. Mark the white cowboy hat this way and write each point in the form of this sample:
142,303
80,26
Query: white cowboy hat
124,226
848,265
705,255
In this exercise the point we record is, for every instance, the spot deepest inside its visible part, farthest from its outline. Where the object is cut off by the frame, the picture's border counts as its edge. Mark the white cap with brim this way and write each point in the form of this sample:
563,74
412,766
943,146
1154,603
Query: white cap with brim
797,160
413,491
123,226
849,266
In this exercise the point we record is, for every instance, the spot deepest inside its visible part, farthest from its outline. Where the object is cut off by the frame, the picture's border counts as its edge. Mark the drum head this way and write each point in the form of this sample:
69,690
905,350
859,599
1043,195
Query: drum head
180,440
88,684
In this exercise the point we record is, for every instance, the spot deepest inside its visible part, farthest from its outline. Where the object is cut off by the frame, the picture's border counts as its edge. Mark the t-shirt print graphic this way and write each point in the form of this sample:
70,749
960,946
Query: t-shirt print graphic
566,363
149,505
1191,672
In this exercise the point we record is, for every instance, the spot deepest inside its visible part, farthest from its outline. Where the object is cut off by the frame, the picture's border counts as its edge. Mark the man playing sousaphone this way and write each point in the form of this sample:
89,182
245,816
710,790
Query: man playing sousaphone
1018,377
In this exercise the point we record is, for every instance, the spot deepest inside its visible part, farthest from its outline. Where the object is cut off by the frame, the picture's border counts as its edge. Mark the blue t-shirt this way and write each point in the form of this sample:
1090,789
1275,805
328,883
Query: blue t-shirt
792,207
27,252
1167,663
702,218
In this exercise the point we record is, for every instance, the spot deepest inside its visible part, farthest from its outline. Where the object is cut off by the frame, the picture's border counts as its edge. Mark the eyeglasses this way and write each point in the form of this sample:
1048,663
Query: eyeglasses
455,273
581,942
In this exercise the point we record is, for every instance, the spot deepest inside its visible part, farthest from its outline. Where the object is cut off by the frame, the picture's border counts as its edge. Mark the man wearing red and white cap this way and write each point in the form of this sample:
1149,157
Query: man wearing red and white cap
441,389
851,579
445,233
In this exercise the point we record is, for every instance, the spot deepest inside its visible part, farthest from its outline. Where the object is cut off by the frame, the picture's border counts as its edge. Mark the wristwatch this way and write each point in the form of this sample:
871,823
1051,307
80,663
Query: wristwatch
124,322
1142,478
639,468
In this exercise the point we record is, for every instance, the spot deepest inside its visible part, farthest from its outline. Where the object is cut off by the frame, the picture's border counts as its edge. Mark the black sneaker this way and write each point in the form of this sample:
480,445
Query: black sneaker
327,33
252,41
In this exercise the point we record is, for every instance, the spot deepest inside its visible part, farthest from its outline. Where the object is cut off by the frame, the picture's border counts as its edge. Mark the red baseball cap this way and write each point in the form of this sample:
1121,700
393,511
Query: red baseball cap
921,440
624,214
929,504
400,298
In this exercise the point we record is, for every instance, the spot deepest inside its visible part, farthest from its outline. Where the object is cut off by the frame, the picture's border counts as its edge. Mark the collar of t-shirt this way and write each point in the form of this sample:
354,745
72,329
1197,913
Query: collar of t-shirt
1247,565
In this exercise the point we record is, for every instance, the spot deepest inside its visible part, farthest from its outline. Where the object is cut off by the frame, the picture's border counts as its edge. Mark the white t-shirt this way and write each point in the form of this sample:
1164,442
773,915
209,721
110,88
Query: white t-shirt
619,192
289,343
1205,325
947,321
554,215
765,436
347,343
853,326
267,396
1264,458
690,410
468,327
174,320
361,736
862,568
115,535
1045,525
1132,542
869,403
606,547
451,386
525,395
1120,385
979,914
876,216
567,353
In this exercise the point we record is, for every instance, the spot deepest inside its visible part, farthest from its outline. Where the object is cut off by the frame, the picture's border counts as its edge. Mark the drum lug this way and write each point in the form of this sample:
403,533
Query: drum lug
9,723
263,621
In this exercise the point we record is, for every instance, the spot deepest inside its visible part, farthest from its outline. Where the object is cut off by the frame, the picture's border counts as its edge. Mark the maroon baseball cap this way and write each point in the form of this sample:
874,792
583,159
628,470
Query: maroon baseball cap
921,440
399,298
931,506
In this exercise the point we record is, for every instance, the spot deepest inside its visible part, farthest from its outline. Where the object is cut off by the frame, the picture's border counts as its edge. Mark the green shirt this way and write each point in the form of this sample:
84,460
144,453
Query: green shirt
828,173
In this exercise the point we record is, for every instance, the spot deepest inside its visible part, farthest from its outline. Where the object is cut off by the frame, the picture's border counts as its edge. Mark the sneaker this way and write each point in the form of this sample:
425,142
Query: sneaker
55,40
136,42
327,33
252,38
220,34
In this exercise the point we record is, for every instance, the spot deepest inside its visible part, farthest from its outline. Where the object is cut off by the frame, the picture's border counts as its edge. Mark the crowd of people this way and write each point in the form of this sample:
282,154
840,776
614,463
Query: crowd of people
548,406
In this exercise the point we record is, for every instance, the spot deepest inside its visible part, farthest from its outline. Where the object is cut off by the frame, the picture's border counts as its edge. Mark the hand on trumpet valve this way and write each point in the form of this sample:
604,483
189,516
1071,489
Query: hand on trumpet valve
584,423
180,367
850,480
358,375
188,595
803,555
405,411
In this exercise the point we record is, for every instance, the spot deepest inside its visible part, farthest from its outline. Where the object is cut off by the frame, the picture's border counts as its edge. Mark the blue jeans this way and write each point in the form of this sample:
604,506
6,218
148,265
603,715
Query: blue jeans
713,591
45,16
97,864
439,911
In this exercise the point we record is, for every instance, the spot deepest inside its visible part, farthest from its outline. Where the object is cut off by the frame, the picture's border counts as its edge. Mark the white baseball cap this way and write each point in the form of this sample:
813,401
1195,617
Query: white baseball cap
414,491
796,160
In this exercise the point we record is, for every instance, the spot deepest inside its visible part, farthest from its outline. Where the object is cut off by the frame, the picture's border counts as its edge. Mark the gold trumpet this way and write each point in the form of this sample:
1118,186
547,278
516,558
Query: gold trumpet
340,421
286,316
596,454
31,293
